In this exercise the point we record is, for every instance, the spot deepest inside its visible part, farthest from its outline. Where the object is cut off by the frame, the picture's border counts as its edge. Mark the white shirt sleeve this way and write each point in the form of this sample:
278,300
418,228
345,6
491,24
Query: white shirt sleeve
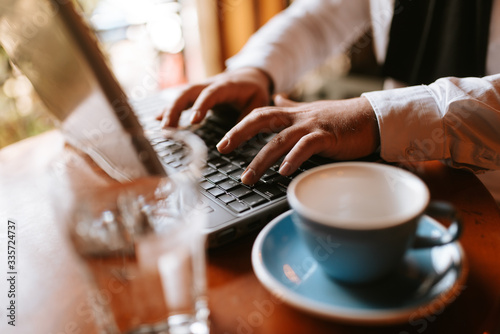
452,119
301,37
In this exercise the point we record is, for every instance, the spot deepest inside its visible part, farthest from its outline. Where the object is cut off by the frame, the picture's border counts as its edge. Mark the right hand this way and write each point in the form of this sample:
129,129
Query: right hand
245,89
338,129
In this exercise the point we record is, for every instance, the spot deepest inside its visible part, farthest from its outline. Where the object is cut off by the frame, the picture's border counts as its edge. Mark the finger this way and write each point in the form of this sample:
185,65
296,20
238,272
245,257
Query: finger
280,100
185,100
211,96
266,119
270,153
307,146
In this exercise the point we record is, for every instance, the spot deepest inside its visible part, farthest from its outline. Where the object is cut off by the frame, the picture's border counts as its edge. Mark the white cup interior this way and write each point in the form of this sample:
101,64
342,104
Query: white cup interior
358,195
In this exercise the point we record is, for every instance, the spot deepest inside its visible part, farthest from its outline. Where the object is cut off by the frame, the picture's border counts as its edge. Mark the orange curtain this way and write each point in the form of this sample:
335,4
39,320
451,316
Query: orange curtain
239,19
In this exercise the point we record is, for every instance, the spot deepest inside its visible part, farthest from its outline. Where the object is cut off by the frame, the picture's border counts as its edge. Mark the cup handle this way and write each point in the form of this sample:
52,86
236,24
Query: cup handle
441,210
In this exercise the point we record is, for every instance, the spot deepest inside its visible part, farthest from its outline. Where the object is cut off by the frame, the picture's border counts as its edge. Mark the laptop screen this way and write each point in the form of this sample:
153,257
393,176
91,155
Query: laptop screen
51,44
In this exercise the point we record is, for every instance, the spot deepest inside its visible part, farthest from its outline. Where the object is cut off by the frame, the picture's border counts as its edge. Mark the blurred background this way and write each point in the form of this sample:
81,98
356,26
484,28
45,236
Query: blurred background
155,44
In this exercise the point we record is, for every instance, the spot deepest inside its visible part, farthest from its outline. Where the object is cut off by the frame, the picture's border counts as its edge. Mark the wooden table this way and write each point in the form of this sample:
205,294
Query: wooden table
52,292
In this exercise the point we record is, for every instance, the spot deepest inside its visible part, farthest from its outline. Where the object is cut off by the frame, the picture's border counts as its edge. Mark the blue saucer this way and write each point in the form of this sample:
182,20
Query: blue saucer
427,281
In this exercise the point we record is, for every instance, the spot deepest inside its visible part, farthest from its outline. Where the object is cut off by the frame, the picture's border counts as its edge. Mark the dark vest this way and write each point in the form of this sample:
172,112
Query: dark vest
430,39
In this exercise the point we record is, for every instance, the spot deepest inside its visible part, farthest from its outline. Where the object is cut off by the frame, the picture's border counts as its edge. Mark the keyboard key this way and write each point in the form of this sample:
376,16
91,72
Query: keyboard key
217,162
281,181
216,191
240,160
226,198
254,200
231,156
238,207
269,174
208,171
260,140
206,185
249,153
228,169
217,177
236,174
228,184
271,191
275,167
241,191
212,154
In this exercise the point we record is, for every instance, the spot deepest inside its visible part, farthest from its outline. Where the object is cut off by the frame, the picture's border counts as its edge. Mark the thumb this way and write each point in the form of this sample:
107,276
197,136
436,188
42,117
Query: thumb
280,100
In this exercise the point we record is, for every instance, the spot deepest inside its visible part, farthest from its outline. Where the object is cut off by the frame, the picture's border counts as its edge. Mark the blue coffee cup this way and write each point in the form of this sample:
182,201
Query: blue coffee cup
358,219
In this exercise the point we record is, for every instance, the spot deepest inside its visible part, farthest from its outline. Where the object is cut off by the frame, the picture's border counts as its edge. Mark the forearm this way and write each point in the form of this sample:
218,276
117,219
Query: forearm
457,120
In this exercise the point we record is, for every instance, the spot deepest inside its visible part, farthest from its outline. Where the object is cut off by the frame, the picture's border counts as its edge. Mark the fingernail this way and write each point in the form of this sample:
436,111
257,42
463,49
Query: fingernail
194,116
248,176
223,143
285,168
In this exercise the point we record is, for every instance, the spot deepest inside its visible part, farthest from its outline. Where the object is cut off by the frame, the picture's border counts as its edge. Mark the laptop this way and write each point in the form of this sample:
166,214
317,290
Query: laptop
54,47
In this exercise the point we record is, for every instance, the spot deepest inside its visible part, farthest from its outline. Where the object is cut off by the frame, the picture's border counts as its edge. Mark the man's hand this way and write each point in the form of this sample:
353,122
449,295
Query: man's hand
245,89
339,129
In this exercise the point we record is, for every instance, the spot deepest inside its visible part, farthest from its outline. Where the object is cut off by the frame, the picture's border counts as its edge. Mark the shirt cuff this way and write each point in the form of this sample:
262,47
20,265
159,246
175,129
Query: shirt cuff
410,124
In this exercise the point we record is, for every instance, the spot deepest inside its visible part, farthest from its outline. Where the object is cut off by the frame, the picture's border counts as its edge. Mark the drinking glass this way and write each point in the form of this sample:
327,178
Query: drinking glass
143,249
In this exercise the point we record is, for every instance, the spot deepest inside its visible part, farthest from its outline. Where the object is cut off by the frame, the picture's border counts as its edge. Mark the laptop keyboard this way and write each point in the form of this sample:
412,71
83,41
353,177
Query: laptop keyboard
221,175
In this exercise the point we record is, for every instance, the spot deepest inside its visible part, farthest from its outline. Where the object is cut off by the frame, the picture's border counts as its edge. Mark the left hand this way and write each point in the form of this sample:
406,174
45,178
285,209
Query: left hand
244,89
339,129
